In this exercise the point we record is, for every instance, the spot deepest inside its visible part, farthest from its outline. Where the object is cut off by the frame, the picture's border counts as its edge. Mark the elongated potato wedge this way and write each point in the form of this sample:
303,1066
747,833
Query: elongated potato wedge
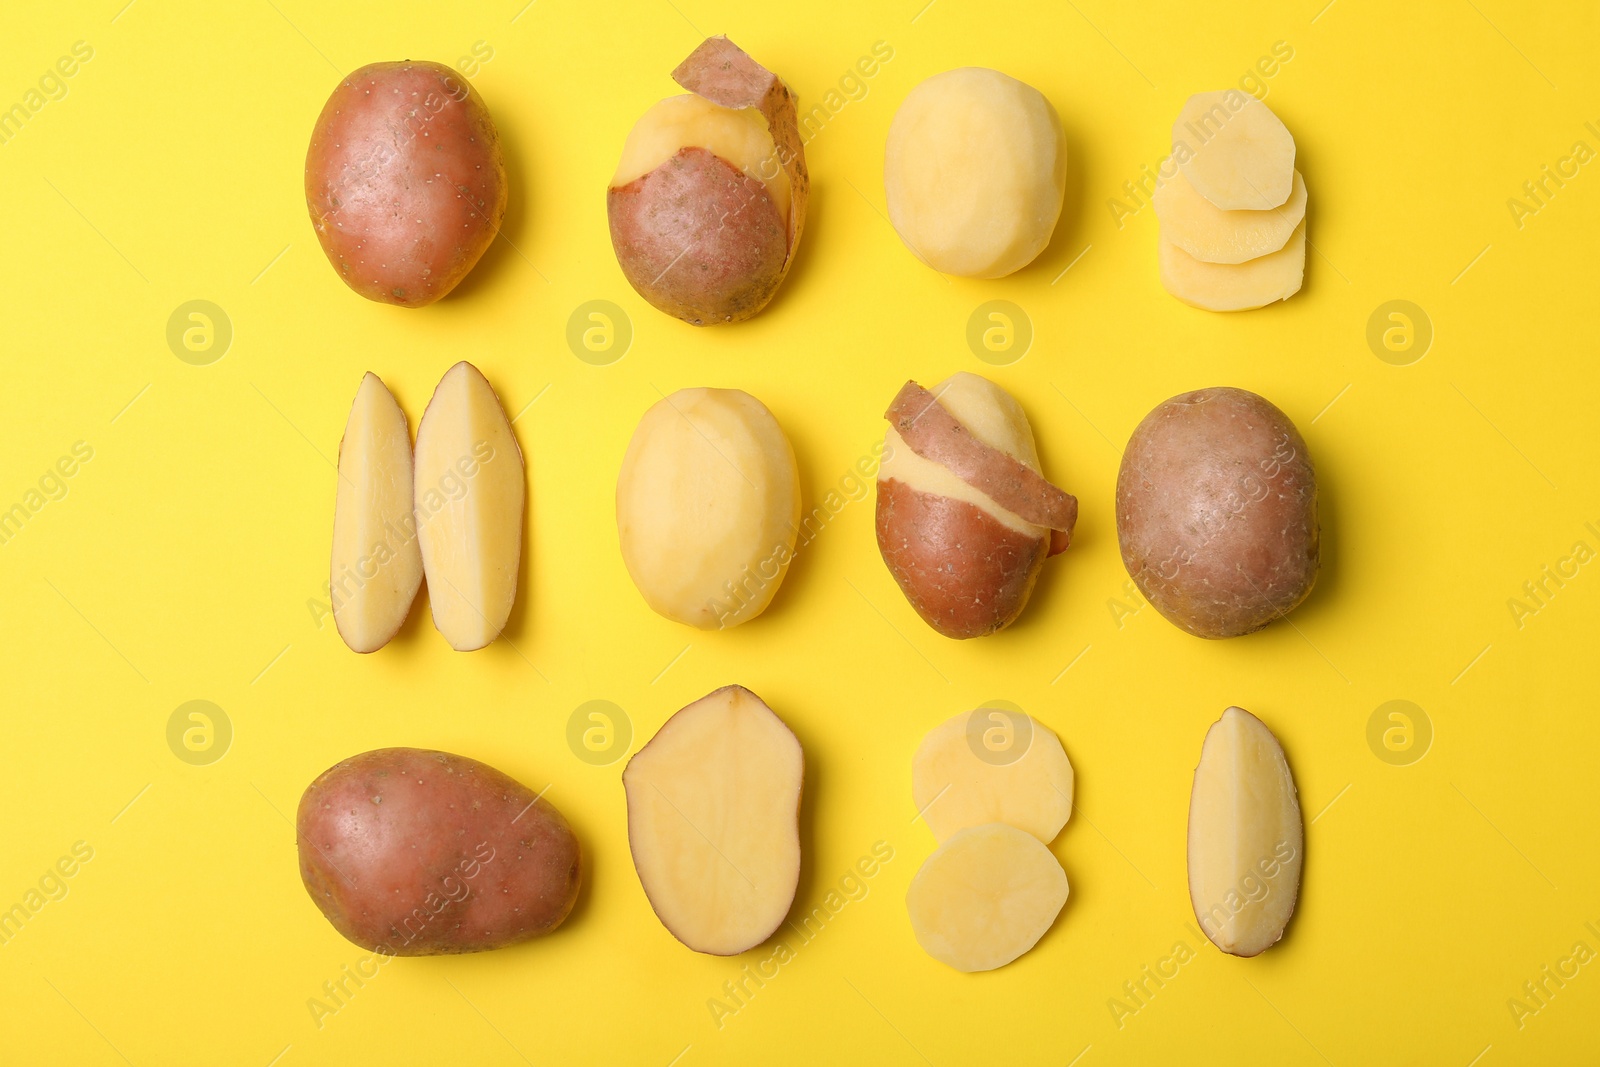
377,564
1213,235
985,897
988,766
713,821
1234,151
1234,286
469,500
1245,839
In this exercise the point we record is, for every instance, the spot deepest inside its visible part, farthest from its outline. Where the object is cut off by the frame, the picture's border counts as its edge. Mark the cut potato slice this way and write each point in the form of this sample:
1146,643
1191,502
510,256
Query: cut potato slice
1234,286
1234,151
992,765
1212,235
1245,837
469,499
985,897
377,565
713,821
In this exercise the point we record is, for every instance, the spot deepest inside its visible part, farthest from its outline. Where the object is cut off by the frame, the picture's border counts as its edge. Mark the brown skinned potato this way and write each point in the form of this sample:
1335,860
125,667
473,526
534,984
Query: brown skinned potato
1217,512
707,207
964,518
405,181
411,852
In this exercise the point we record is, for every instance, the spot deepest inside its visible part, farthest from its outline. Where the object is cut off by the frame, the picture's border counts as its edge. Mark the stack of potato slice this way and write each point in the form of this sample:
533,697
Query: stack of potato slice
1233,233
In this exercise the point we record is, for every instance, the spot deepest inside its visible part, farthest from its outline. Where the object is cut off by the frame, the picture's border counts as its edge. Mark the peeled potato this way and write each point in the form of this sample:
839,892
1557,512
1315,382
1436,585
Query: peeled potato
1212,235
1234,286
974,172
1245,838
985,766
1234,151
985,897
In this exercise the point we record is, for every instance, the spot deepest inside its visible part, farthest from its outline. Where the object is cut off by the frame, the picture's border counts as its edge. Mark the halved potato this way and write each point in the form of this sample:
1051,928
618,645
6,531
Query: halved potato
1234,286
983,766
985,897
1213,235
1234,151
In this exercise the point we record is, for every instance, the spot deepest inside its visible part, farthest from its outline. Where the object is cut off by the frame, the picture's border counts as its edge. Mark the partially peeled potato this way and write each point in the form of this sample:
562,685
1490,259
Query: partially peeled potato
709,198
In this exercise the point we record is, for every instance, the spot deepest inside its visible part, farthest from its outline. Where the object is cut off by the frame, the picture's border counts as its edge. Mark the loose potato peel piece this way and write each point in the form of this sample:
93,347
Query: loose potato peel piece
936,435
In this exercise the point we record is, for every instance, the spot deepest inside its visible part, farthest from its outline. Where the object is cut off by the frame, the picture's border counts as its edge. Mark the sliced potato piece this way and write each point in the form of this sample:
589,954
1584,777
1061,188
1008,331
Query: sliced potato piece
469,499
377,565
1234,151
1245,839
713,821
1212,235
985,897
1234,286
992,765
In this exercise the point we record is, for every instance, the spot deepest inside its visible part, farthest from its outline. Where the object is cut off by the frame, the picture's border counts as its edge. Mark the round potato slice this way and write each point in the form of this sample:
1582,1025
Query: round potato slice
985,897
1213,235
992,765
1234,151
1234,286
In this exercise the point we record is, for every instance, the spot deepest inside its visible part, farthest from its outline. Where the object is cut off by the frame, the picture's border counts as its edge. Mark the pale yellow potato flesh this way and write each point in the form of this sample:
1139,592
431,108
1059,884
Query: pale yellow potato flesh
1213,235
469,496
738,135
377,564
974,172
713,821
1245,838
708,507
985,897
990,414
1234,286
1027,785
1234,151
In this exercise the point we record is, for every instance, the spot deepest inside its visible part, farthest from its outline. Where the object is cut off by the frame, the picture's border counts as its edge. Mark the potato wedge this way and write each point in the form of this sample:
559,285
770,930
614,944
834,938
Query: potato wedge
1234,151
1234,286
1212,235
992,765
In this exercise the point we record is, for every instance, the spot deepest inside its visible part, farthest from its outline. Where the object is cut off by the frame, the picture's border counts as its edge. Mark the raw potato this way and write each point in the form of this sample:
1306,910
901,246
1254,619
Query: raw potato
974,172
1211,235
964,518
713,821
1024,778
1245,837
410,852
708,507
1235,286
405,181
985,897
1217,512
377,565
469,500
709,199
1234,151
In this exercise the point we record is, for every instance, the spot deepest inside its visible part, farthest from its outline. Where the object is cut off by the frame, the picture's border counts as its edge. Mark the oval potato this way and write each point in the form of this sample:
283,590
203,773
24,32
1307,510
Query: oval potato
1217,512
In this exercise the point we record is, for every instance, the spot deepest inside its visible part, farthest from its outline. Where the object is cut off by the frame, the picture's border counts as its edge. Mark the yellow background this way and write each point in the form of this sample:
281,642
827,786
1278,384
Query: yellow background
180,562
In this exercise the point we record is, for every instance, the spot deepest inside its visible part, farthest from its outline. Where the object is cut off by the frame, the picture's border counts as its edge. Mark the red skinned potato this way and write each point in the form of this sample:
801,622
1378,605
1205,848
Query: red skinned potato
411,852
405,181
1217,512
965,519
709,198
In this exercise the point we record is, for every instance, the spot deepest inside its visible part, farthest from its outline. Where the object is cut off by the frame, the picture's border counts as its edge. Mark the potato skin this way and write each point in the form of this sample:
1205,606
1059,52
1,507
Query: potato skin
920,533
1217,512
699,238
405,181
412,852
